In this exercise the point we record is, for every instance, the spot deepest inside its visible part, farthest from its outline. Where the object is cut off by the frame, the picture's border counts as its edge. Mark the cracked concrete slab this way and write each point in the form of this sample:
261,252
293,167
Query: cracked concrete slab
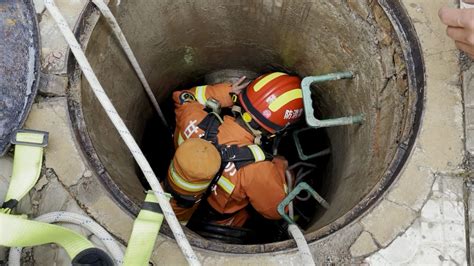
96,201
375,222
413,187
364,245
61,154
51,85
53,197
53,46
437,236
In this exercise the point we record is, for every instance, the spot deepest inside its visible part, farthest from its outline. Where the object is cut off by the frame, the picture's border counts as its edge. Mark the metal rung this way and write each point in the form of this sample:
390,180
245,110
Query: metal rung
311,120
301,186
299,147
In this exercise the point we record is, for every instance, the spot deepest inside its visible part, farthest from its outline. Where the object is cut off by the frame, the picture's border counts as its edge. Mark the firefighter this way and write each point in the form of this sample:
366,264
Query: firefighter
247,174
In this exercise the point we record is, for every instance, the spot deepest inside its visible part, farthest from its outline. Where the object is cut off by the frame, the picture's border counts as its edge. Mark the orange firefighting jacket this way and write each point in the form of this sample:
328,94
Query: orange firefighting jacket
261,184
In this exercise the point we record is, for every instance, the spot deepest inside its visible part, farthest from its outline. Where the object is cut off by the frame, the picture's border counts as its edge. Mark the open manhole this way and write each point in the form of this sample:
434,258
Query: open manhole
179,42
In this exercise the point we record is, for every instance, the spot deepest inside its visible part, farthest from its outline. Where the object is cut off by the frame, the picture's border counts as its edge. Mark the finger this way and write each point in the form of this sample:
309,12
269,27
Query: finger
457,17
243,86
241,79
468,49
459,34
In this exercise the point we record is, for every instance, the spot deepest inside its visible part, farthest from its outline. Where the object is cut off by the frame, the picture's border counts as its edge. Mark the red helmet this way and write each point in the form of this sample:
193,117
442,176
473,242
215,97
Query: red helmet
273,100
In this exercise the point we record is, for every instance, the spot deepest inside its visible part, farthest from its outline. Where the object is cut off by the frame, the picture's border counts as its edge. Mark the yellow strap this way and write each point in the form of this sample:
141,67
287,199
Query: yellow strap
257,152
144,233
26,165
226,185
184,184
201,94
16,231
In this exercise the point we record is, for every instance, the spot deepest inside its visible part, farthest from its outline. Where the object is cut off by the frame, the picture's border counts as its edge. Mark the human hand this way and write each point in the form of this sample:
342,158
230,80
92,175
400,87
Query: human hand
460,24
240,85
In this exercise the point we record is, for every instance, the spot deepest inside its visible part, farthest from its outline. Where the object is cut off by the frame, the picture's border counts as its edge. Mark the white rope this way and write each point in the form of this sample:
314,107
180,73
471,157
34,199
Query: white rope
109,242
124,133
306,257
465,5
110,18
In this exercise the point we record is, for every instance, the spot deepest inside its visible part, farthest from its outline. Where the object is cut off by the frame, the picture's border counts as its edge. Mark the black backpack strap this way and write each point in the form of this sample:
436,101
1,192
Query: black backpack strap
210,125
242,156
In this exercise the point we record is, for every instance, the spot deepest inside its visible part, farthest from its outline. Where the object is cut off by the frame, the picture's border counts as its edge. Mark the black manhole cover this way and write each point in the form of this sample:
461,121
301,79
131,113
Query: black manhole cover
19,66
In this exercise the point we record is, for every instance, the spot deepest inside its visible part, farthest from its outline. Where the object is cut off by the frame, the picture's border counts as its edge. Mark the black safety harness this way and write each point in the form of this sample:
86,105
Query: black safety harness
240,156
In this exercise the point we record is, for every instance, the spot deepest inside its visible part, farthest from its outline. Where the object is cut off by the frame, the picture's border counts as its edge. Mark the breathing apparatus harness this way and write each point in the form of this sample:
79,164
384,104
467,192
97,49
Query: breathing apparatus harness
239,156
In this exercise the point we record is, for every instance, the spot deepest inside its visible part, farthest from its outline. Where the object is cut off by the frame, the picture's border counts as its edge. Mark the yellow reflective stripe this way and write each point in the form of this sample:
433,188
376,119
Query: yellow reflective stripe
257,152
285,98
201,94
182,183
226,185
267,79
180,139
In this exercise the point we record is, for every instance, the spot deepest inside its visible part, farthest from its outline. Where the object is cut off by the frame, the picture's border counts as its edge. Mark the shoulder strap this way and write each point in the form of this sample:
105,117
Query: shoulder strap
242,156
210,125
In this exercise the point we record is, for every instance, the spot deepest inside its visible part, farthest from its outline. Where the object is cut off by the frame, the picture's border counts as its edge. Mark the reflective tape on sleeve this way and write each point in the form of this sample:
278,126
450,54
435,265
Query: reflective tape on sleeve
257,152
226,185
201,94
184,184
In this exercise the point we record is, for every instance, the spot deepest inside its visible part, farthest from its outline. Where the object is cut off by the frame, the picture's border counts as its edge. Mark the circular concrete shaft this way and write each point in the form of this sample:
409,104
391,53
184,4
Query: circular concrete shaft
178,42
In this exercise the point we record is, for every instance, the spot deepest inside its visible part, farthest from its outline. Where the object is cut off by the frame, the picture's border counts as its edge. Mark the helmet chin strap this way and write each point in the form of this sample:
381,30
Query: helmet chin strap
237,110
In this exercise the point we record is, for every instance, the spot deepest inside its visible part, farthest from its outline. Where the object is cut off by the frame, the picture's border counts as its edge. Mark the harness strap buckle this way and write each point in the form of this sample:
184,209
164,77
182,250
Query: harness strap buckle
9,204
229,153
152,206
41,144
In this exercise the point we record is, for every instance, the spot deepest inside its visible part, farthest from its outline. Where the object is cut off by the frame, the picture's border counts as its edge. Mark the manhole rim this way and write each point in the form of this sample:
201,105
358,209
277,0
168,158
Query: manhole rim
413,58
